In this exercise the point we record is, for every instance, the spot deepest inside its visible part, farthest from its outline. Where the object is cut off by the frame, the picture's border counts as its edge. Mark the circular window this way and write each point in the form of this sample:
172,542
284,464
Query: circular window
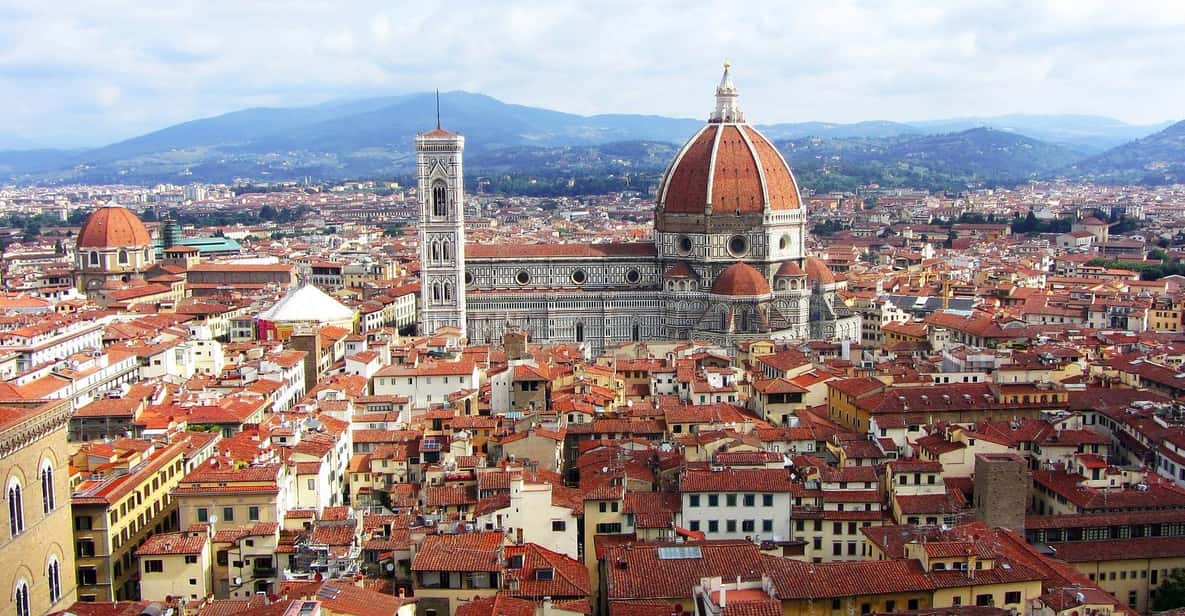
784,243
633,276
738,245
523,277
468,278
579,276
684,244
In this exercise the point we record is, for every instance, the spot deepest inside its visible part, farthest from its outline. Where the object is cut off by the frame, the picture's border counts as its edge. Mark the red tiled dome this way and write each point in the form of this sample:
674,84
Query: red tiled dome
112,226
817,271
789,268
733,168
740,279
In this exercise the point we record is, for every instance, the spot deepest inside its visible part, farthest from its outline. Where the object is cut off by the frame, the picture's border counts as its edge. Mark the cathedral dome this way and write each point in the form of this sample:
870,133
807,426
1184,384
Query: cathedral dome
112,226
740,279
728,167
817,271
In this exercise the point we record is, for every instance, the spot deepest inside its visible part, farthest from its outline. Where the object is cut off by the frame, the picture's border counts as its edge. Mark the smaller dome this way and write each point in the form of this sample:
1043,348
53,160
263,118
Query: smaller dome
817,271
740,279
789,269
112,226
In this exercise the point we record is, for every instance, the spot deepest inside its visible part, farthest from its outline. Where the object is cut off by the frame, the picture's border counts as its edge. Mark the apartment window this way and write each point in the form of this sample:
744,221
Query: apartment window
836,548
312,484
800,525
730,526
608,528
748,526
86,548
713,526
767,526
817,543
865,608
818,526
851,548
837,528
1012,596
203,515
730,500
693,501
221,558
613,506
82,522
228,514
767,500
750,500
193,581
1132,598
713,500
558,526
87,576
912,605
603,506
154,566
190,559
983,600
693,525
253,513
890,606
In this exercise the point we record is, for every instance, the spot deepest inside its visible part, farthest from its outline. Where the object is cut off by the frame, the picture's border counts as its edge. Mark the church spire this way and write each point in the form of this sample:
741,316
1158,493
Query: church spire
727,109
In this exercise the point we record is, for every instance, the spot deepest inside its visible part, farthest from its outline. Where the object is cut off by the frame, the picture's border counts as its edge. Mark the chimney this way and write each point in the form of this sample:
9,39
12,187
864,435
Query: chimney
546,606
723,597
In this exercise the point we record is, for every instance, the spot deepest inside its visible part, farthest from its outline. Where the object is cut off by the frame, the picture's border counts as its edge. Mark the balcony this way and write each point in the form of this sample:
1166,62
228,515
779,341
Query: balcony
263,572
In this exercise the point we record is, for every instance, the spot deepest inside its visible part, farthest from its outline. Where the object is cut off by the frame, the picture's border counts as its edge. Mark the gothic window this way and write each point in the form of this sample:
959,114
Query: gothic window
54,574
48,498
22,598
123,257
439,198
445,247
580,332
16,508
436,292
448,291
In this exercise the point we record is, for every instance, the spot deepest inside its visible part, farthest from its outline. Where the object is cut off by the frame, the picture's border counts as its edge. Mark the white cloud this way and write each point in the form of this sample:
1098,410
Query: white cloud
81,74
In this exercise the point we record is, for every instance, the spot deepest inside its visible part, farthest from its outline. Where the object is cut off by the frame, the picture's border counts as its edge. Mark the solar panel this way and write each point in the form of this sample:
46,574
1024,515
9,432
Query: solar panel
680,552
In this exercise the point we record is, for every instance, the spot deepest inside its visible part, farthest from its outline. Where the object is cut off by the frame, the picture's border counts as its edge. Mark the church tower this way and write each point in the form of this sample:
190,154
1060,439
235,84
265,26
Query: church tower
441,230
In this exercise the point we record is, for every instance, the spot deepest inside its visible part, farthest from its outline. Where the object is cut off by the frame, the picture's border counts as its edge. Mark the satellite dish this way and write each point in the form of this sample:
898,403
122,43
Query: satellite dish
390,567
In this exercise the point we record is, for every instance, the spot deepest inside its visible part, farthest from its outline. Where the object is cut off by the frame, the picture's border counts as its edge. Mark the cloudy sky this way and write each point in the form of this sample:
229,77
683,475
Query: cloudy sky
83,73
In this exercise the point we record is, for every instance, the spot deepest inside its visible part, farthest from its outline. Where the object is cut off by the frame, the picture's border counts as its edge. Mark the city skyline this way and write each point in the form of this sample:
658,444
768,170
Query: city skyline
82,78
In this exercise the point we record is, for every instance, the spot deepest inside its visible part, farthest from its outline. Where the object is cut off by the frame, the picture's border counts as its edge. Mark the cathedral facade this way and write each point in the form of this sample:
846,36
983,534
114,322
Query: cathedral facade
727,262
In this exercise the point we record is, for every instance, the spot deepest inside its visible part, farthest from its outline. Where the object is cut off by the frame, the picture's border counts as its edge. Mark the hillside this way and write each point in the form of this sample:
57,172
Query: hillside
1155,159
955,161
373,137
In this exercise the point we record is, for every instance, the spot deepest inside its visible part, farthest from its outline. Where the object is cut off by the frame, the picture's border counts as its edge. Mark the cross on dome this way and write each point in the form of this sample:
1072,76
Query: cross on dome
727,109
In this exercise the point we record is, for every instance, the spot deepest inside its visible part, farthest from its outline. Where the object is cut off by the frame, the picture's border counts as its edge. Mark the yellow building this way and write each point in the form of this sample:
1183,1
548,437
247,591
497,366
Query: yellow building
1131,569
38,573
175,565
228,497
124,499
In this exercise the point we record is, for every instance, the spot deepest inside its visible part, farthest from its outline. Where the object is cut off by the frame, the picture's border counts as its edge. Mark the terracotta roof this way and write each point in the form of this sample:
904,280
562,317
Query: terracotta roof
569,577
164,544
817,271
113,227
740,279
465,552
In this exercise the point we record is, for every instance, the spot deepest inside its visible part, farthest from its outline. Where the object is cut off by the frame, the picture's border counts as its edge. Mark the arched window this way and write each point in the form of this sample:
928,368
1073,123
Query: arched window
637,333
723,320
439,199
436,291
123,257
435,251
445,248
580,332
49,500
745,320
146,255
54,574
21,598
448,291
94,258
16,508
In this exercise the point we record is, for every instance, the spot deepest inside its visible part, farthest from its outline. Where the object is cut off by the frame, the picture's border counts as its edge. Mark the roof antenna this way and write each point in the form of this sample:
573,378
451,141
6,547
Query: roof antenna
437,108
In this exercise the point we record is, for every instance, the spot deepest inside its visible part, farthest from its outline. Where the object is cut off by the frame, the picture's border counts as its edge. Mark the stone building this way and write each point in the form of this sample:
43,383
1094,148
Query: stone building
38,575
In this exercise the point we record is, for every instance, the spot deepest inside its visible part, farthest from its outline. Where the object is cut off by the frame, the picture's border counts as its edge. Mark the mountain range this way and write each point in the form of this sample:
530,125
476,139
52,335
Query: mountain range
373,138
